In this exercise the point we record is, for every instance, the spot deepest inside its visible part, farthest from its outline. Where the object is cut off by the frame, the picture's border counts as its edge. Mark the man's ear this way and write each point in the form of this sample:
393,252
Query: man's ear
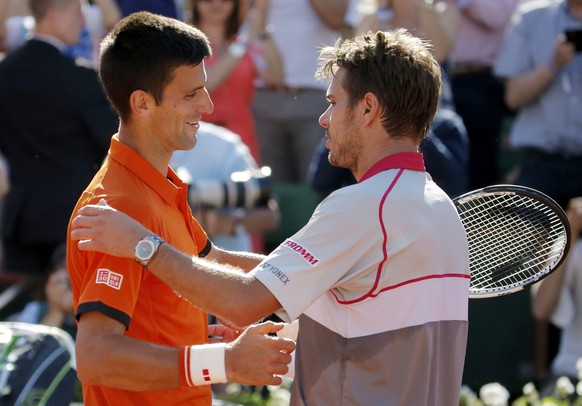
140,103
370,107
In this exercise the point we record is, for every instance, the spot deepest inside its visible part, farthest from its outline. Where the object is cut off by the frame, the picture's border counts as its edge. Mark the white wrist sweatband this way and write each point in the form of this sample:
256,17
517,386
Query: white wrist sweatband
202,364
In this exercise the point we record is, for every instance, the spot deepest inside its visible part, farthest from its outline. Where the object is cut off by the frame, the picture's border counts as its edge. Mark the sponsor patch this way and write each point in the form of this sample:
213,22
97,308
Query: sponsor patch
276,271
109,278
298,248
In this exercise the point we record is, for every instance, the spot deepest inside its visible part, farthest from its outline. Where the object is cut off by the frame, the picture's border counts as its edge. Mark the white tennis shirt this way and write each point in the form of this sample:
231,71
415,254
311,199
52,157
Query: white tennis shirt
379,279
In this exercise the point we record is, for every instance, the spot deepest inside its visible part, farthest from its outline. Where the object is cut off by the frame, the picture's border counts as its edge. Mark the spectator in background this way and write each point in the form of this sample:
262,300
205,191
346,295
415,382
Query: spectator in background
55,307
243,53
56,127
100,16
557,299
477,93
543,84
286,115
218,154
168,8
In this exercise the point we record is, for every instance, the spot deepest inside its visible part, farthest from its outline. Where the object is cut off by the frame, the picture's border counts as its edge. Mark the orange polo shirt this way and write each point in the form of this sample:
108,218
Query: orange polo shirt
125,291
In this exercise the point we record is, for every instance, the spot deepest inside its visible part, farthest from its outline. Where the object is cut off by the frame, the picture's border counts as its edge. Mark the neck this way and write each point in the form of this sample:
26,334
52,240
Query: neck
146,147
381,151
45,30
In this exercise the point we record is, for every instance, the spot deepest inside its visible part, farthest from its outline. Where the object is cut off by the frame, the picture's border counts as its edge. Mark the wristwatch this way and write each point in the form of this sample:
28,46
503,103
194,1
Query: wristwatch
146,249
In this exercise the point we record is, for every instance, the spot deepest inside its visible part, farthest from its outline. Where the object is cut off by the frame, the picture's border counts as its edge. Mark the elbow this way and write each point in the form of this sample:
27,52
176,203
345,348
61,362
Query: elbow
512,101
90,361
514,96
87,368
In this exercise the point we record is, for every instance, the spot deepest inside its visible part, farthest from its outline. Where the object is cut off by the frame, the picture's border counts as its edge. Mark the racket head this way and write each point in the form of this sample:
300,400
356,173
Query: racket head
517,236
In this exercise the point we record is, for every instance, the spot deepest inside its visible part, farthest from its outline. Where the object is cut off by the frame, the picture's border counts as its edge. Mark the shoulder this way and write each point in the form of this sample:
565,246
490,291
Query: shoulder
534,9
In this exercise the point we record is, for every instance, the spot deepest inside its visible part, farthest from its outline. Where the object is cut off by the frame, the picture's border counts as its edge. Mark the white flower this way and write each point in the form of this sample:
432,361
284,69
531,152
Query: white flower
468,394
280,397
493,394
564,387
529,388
579,368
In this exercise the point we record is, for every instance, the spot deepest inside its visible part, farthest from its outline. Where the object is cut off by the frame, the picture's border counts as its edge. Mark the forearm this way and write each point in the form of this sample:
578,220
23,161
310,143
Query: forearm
547,293
525,89
118,361
220,290
242,261
272,73
221,70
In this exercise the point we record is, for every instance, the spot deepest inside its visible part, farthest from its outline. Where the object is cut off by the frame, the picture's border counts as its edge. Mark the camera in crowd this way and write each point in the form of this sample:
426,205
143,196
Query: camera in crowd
246,189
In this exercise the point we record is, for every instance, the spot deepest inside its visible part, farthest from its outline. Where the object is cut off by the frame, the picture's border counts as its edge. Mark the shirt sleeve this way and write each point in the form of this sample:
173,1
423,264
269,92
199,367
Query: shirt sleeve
513,58
323,255
110,286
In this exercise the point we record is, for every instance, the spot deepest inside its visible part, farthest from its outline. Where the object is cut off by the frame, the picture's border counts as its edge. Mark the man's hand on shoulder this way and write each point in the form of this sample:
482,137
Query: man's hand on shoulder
104,229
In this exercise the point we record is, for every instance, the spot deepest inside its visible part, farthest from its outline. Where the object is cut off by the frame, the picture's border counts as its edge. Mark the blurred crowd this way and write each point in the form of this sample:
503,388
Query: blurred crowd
510,112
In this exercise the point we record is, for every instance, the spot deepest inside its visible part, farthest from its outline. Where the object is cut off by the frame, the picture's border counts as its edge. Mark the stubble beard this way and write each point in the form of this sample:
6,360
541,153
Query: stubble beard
345,154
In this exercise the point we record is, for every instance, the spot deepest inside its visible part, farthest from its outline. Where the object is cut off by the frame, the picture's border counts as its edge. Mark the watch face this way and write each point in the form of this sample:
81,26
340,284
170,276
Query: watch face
144,249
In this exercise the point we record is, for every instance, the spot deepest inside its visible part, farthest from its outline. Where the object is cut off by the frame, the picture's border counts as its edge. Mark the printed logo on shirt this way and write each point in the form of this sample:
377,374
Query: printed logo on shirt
276,271
109,278
307,256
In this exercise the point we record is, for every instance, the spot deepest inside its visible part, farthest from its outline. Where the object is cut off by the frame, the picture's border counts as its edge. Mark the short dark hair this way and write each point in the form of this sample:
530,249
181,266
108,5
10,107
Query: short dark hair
142,52
398,68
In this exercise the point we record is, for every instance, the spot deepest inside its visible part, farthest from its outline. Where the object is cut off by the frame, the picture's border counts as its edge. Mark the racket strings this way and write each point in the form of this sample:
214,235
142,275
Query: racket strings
517,239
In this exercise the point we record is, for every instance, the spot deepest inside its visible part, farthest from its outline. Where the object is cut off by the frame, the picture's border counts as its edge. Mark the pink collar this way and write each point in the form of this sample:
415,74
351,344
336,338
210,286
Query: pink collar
402,160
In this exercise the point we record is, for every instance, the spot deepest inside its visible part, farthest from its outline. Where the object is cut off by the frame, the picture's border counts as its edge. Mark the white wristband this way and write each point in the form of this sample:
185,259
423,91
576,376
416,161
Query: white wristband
202,364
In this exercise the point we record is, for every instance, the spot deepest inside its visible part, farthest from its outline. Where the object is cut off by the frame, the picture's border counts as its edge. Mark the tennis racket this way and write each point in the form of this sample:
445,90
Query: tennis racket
517,236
